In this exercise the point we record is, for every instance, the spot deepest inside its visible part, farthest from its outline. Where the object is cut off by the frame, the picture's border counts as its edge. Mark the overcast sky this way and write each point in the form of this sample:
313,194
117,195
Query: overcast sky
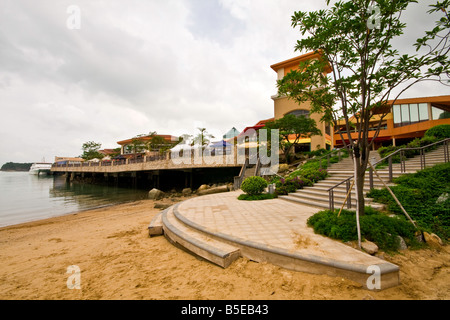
139,66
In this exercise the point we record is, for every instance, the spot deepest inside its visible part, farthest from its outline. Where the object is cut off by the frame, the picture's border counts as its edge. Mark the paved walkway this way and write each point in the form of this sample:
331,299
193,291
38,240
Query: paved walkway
275,231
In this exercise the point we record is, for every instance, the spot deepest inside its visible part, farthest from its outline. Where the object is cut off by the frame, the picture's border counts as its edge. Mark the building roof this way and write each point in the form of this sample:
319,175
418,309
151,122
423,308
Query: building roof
294,62
442,102
167,137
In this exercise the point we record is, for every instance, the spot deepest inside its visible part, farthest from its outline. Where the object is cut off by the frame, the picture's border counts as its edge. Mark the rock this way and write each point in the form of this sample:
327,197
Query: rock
186,192
419,237
370,247
212,190
401,244
156,194
433,240
283,167
161,205
442,198
203,187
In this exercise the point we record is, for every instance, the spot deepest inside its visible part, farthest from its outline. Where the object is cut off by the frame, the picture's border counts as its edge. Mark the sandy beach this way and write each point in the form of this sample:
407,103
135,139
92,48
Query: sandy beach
118,260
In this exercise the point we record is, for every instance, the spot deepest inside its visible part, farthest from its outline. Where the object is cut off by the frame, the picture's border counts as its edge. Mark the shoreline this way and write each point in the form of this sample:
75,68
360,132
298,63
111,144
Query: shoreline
118,260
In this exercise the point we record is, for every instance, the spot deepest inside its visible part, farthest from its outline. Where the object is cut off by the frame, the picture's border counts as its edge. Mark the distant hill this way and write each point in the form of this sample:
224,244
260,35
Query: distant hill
14,166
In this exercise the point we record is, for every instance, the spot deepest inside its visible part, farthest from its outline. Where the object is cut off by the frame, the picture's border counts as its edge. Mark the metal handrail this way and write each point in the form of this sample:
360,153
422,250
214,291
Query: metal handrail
327,156
402,166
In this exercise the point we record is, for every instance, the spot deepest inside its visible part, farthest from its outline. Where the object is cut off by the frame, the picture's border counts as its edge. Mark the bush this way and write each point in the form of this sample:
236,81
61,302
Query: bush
250,197
376,227
291,184
441,131
254,185
418,193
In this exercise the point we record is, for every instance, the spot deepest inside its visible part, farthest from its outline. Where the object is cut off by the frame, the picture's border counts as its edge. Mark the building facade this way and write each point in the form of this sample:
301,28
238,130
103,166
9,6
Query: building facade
406,120
283,106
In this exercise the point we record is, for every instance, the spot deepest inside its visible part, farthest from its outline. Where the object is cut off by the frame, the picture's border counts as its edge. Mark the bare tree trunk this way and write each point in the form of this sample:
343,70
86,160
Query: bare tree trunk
358,187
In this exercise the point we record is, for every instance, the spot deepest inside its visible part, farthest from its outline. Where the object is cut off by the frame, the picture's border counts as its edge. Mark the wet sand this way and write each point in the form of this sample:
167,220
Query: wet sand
118,260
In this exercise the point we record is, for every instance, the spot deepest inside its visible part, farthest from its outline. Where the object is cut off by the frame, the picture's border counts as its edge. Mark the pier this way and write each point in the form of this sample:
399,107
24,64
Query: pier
153,171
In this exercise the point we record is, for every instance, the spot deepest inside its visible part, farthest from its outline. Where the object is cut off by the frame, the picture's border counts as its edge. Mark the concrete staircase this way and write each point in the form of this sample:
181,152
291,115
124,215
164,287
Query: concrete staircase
191,239
318,196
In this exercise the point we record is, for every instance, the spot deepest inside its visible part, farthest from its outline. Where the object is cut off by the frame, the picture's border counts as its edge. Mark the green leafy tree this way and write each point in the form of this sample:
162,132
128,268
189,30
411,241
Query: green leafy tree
291,129
90,150
355,40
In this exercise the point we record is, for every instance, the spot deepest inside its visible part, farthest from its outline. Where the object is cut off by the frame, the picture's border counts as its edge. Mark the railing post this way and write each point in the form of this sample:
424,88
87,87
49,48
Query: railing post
349,200
331,200
422,159
370,178
446,154
390,169
402,161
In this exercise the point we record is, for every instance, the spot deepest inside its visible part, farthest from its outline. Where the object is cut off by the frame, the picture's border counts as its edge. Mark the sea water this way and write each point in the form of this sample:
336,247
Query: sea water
25,197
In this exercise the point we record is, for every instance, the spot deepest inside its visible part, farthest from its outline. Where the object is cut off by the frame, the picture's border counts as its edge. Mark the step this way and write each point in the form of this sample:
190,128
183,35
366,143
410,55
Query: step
155,227
337,198
325,205
197,242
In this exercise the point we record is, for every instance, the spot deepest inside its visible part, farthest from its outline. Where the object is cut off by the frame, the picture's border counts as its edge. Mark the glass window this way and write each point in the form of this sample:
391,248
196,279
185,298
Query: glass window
423,111
300,113
397,115
413,113
405,114
439,113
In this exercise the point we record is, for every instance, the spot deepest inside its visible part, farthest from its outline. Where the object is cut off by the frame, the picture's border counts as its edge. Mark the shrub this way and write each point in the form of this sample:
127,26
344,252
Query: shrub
262,196
376,227
441,131
418,193
314,174
291,184
254,185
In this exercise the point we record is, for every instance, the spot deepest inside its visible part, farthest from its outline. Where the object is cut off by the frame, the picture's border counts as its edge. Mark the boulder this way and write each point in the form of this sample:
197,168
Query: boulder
442,198
401,244
186,192
283,167
156,194
212,190
203,187
433,240
369,247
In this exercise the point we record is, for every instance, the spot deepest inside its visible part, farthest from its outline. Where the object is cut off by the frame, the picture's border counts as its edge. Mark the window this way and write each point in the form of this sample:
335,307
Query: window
298,113
423,111
439,113
397,115
405,114
413,113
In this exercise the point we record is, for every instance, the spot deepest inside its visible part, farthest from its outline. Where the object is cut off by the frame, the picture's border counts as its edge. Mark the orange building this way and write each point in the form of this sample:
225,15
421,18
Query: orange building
283,106
126,146
406,120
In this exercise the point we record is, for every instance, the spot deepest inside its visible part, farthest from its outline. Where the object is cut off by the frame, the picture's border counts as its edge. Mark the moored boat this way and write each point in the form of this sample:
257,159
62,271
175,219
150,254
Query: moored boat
40,167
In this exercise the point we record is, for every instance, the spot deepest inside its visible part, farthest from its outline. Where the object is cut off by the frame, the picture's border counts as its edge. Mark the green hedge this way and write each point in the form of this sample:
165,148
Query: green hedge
376,227
441,131
419,193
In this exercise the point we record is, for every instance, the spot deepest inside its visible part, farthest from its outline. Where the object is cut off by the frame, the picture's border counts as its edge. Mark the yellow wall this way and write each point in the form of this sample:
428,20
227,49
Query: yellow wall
283,105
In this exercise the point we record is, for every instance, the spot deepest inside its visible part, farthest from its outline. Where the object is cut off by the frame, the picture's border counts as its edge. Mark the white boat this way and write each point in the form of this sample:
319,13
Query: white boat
40,167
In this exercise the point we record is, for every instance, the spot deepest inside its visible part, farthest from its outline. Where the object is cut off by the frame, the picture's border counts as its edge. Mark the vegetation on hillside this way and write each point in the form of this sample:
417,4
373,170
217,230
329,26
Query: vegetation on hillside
14,166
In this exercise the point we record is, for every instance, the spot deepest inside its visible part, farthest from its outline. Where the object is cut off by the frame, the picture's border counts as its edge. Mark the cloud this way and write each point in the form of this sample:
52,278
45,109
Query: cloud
139,66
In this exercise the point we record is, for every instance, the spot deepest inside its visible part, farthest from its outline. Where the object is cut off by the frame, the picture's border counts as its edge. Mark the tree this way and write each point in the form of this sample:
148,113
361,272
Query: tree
203,137
355,40
90,150
137,144
291,129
